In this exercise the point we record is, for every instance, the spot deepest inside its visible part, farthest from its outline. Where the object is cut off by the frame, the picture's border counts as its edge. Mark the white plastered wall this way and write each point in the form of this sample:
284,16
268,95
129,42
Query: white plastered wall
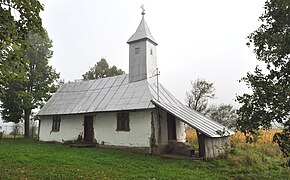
216,146
161,131
180,131
70,127
105,125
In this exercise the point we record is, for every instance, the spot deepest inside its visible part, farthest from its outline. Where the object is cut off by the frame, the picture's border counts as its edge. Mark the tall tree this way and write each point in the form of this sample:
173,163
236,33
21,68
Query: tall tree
35,87
201,91
12,102
270,100
102,70
17,18
224,114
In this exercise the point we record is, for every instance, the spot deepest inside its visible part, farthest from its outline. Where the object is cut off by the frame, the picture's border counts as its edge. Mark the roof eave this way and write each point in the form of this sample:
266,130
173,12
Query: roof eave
145,38
94,112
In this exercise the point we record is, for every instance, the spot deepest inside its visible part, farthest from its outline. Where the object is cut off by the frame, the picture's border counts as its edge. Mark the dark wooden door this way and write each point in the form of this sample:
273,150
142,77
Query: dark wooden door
88,129
201,144
171,127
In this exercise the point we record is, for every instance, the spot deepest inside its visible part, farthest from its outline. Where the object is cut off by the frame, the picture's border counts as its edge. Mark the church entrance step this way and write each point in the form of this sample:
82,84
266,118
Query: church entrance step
181,148
83,145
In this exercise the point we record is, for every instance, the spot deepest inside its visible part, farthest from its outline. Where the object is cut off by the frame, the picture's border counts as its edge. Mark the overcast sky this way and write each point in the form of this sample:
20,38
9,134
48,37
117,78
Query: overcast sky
196,39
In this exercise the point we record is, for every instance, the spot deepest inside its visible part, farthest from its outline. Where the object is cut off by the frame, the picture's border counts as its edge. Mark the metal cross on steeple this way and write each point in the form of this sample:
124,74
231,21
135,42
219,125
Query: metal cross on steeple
143,9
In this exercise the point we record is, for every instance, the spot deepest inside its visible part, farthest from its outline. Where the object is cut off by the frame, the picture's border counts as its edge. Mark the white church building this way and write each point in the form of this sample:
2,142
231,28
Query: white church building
132,110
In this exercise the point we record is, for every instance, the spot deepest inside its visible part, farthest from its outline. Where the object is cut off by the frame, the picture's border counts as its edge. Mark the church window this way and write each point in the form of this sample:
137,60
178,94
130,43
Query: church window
137,50
123,121
55,123
151,52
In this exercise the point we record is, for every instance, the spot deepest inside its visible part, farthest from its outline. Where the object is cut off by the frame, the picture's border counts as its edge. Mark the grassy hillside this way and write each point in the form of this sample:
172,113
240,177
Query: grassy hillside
20,159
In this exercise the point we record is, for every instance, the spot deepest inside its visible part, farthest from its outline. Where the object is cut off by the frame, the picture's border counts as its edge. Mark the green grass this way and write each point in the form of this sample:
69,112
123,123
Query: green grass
20,159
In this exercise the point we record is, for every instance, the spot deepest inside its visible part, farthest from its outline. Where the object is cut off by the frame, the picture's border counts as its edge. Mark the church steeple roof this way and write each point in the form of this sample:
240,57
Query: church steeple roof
142,32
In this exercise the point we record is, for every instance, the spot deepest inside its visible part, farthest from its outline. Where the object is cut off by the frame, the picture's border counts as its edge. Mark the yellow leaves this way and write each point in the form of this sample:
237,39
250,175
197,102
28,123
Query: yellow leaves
264,137
191,135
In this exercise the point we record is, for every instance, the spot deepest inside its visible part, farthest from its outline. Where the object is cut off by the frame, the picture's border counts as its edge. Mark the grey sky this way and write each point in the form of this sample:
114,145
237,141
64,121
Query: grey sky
197,39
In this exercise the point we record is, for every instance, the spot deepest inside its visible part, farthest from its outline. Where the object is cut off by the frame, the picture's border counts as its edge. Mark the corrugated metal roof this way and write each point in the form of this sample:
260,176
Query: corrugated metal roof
116,94
189,116
142,32
107,94
195,120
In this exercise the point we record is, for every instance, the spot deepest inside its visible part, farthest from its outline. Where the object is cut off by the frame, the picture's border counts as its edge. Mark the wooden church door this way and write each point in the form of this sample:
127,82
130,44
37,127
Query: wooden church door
171,127
88,129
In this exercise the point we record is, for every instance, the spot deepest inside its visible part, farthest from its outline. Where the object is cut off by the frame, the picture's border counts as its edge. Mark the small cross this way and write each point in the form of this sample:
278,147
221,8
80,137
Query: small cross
143,9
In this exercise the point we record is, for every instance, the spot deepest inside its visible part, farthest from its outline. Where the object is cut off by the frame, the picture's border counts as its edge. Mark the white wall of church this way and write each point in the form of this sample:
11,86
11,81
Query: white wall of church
70,127
180,131
162,136
105,125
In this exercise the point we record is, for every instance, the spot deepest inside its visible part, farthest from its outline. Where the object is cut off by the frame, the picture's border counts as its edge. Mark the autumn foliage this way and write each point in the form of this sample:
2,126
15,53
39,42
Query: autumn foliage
262,137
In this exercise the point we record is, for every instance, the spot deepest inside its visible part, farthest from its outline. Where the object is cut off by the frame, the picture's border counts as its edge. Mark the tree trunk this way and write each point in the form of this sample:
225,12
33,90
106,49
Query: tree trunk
27,113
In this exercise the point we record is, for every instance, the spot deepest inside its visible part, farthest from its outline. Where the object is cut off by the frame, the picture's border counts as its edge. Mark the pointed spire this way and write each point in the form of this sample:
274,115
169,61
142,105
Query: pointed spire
142,31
